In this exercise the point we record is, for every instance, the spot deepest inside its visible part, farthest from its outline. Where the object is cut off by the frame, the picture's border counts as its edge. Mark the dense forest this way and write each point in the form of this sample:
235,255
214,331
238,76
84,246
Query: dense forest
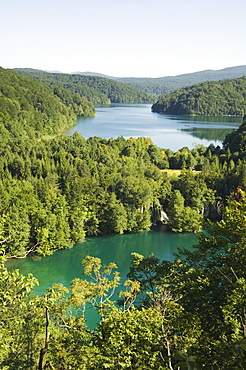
30,109
217,98
56,190
96,89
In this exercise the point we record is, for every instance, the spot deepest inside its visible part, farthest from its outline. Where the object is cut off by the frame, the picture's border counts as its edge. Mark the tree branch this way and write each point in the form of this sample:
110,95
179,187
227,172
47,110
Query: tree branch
46,343
32,249
79,329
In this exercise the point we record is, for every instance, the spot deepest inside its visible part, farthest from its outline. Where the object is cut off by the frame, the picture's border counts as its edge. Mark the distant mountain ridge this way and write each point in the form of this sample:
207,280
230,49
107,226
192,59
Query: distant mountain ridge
164,85
93,74
215,72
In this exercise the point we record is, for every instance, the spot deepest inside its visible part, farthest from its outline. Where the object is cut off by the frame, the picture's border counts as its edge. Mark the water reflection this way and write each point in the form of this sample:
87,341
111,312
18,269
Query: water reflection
204,127
166,131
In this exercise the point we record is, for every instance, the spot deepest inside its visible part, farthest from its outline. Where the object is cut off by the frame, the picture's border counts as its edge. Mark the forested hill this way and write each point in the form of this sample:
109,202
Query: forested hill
211,98
29,108
98,90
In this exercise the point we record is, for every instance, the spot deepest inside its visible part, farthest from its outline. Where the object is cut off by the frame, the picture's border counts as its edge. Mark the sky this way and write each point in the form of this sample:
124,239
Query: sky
128,38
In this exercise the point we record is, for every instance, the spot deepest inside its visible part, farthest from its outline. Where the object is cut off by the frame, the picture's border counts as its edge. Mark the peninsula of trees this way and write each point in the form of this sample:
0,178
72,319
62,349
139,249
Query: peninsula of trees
216,98
98,90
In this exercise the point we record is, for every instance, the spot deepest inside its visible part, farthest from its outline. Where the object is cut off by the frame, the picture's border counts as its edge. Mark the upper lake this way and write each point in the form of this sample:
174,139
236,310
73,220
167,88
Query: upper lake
166,131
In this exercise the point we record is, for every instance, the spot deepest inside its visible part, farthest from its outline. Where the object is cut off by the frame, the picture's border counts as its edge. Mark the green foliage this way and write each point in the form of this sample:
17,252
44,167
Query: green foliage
236,140
124,339
194,190
56,192
183,218
99,289
30,109
217,264
222,98
20,320
98,90
209,283
186,314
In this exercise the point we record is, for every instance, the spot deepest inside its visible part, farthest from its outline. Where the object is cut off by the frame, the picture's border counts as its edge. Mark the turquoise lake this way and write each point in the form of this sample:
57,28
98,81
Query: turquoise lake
65,265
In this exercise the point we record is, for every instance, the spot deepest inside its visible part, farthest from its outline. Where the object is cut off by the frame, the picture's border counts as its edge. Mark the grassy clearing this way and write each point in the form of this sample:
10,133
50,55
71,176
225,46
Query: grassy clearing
174,174
171,174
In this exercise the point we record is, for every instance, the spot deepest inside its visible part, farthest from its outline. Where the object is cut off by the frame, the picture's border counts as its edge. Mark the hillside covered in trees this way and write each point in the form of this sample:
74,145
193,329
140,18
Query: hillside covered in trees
186,314
96,89
217,98
30,109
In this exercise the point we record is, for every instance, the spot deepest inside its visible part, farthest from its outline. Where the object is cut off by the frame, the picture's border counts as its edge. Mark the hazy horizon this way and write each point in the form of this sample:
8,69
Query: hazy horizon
93,73
131,38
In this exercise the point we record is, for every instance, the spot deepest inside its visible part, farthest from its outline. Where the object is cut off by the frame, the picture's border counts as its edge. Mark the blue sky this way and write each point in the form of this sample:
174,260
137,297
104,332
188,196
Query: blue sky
130,38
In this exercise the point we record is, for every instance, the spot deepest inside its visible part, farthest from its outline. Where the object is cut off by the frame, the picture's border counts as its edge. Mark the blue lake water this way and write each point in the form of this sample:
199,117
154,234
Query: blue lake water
166,131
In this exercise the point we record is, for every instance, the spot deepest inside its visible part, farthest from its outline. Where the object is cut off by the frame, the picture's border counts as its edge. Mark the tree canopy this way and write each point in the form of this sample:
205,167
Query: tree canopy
216,98
29,108
164,85
236,140
98,90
